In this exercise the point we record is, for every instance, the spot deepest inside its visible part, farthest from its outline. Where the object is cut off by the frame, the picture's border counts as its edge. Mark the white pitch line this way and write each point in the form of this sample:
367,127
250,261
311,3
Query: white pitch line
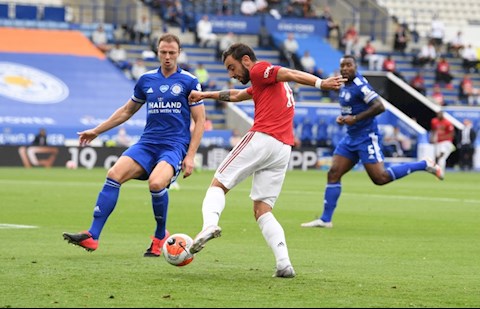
142,184
16,226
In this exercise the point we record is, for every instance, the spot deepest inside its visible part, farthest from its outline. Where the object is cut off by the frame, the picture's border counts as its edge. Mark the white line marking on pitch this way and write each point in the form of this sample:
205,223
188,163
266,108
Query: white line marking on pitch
16,226
204,188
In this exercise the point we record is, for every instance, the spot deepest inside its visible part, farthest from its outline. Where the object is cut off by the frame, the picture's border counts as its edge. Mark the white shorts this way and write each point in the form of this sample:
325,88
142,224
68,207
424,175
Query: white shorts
262,156
445,147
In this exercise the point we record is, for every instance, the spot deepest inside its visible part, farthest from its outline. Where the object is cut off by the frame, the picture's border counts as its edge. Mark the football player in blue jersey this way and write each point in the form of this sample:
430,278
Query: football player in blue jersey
359,106
165,148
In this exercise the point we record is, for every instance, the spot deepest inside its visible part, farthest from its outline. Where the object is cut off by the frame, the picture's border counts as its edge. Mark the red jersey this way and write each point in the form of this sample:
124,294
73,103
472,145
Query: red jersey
443,129
437,96
467,85
389,65
418,82
274,103
443,67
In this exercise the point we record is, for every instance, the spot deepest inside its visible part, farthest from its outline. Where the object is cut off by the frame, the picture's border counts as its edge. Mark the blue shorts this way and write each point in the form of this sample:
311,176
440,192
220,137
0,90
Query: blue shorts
362,147
148,155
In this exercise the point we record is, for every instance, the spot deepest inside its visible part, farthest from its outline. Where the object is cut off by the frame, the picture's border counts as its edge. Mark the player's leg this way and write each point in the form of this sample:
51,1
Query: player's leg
371,155
344,159
381,176
123,170
212,208
266,187
238,165
340,166
274,235
158,181
444,149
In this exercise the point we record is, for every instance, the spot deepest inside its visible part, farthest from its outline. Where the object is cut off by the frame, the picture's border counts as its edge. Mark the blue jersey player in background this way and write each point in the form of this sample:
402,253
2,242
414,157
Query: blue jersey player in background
165,148
359,106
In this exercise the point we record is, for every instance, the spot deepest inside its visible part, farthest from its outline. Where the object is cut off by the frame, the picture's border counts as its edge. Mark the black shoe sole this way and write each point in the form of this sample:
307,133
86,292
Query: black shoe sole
149,254
75,243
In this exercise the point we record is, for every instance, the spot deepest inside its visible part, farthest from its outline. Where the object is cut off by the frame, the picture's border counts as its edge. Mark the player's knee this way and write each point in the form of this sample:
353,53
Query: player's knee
333,175
157,185
113,174
260,208
258,213
381,180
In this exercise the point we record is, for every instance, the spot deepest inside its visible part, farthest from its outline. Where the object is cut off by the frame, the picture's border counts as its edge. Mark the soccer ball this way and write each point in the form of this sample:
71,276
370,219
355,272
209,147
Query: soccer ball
71,165
176,249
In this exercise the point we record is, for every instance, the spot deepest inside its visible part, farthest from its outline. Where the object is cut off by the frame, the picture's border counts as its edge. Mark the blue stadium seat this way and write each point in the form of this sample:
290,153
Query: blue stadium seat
4,11
26,12
54,13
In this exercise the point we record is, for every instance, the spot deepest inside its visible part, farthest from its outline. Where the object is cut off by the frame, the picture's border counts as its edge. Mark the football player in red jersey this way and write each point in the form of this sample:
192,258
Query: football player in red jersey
442,133
264,151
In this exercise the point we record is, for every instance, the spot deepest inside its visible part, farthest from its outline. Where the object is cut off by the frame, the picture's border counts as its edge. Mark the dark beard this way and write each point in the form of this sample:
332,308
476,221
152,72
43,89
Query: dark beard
246,76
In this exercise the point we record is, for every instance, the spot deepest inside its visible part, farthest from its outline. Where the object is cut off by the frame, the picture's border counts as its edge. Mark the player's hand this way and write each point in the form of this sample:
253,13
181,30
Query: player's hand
85,137
187,166
340,120
349,120
333,83
195,96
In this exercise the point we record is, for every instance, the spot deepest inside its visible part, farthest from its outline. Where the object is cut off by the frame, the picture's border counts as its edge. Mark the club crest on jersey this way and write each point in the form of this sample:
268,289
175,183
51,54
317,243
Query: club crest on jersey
268,71
177,89
163,88
345,95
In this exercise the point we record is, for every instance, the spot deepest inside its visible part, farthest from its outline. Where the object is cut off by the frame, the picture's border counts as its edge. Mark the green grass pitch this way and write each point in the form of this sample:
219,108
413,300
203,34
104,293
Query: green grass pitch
411,243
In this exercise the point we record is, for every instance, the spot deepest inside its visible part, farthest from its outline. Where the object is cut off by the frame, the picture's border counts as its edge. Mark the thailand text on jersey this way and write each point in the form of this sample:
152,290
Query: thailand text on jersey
167,107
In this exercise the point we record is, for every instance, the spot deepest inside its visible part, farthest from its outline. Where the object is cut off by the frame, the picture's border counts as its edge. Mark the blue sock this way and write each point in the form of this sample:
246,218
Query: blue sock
402,170
106,201
160,209
332,193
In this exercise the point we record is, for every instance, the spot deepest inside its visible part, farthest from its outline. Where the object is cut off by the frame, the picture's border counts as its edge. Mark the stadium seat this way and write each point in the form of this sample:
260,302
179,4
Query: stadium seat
54,13
26,12
4,11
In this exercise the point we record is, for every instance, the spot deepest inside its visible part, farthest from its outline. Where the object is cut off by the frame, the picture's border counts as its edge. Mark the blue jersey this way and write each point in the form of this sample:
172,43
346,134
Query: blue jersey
355,97
362,141
168,109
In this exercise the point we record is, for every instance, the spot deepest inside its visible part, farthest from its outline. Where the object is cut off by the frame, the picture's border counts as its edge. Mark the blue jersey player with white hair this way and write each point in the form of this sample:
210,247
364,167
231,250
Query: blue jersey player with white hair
166,147
359,106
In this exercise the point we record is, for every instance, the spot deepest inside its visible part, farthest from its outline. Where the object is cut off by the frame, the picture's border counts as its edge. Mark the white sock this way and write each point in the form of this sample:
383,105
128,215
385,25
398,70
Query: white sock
442,162
213,205
275,236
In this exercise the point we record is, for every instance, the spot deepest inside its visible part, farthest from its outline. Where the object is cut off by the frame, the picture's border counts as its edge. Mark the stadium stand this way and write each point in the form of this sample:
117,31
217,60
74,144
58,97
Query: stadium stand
375,20
60,81
418,14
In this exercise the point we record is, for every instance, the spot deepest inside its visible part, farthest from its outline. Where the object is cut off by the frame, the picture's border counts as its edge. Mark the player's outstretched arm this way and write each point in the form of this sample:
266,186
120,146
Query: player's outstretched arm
230,95
304,78
118,117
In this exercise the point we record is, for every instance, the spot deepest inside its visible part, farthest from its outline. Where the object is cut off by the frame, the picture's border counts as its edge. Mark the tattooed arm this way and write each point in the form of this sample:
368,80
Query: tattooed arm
231,95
